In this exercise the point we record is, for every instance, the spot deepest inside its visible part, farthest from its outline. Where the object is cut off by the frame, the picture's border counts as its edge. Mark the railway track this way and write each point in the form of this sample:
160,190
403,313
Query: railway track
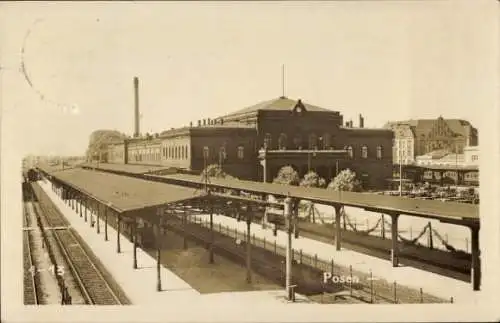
92,283
30,285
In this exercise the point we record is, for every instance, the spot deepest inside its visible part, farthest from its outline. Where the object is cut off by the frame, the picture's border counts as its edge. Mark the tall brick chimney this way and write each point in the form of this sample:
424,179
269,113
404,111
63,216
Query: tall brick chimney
136,106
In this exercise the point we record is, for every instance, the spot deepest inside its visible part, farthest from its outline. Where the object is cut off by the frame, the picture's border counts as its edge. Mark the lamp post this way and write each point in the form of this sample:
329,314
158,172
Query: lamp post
205,157
400,170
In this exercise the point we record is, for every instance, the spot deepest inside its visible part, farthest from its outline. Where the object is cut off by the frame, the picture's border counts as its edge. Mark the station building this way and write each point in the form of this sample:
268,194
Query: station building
255,142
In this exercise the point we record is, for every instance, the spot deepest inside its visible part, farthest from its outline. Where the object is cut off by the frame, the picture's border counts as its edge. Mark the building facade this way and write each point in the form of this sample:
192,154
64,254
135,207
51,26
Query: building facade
255,142
419,137
471,155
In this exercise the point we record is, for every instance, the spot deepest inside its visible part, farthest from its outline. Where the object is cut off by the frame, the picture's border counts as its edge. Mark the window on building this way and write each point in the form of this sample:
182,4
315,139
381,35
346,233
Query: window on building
379,152
241,152
350,151
282,141
268,141
313,141
327,141
222,153
475,157
206,152
364,152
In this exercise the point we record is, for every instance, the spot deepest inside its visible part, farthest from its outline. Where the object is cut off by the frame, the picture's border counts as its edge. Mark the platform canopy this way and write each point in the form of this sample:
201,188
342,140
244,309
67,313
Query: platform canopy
452,212
123,193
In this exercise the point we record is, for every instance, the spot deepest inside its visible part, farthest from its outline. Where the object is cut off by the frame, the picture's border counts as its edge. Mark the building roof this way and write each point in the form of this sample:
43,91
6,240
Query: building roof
278,104
363,131
123,193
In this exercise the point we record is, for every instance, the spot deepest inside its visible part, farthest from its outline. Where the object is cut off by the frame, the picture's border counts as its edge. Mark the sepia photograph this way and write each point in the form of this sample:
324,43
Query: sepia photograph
250,161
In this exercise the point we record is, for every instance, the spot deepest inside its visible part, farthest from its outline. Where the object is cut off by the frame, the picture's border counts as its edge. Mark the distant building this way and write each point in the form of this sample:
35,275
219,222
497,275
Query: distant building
471,155
255,142
419,137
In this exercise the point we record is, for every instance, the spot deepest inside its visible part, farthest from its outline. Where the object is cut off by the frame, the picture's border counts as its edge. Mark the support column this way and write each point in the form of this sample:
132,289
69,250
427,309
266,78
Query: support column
86,207
394,241
158,254
118,224
476,259
76,204
73,201
211,260
338,229
105,223
92,204
184,220
80,208
288,219
98,215
249,246
134,239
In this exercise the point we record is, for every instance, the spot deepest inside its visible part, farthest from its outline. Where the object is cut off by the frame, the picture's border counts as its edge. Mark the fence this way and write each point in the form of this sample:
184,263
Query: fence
368,289
459,241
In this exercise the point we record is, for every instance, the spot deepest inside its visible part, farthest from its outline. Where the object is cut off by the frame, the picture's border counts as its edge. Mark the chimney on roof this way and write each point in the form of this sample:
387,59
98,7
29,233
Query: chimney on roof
351,124
347,124
361,121
136,107
209,122
204,122
190,123
221,121
199,123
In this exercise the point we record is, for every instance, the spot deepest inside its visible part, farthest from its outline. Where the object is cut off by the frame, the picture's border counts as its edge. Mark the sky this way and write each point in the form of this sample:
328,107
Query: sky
386,60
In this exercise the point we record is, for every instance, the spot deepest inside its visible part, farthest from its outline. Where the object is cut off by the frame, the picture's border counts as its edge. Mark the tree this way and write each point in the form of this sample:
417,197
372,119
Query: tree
214,170
99,140
311,179
345,181
287,176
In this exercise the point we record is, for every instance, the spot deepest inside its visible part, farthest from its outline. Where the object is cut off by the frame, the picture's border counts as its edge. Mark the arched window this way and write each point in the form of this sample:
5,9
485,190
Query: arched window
350,151
313,141
282,141
297,141
379,152
268,141
327,141
241,152
364,152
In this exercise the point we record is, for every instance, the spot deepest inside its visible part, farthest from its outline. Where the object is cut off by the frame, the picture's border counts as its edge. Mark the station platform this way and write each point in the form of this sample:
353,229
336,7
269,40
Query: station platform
431,283
140,284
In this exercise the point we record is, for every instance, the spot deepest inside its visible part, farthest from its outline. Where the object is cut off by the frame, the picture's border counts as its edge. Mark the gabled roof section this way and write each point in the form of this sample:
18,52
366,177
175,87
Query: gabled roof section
279,104
424,126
